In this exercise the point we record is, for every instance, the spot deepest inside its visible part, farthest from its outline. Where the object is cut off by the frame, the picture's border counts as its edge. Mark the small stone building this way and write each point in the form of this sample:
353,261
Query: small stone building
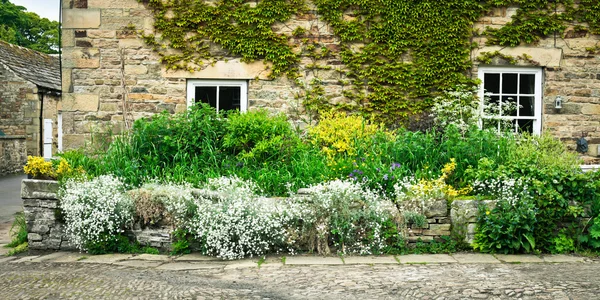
112,77
30,89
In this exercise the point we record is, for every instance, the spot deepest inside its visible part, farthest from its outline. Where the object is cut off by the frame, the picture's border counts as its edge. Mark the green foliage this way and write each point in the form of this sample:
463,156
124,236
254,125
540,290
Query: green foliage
508,228
181,242
110,244
563,243
397,55
445,245
28,29
18,231
256,135
591,237
22,248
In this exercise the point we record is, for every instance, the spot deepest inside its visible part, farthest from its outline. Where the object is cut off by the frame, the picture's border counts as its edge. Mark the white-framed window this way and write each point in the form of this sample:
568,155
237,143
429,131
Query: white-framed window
220,94
511,98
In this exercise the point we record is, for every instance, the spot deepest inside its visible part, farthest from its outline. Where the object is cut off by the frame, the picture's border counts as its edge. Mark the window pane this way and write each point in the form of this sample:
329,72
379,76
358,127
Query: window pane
491,83
509,106
509,83
207,94
490,124
527,108
229,98
527,85
492,106
508,126
525,125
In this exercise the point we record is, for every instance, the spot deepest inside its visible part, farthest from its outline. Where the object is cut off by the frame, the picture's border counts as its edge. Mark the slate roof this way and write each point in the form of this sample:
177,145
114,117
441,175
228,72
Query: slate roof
38,68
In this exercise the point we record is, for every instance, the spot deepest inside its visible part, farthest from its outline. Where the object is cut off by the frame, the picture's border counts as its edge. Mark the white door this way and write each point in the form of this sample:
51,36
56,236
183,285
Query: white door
48,138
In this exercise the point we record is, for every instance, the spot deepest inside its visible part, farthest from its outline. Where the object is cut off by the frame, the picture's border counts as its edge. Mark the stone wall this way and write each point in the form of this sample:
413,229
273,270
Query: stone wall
20,105
46,229
12,154
110,77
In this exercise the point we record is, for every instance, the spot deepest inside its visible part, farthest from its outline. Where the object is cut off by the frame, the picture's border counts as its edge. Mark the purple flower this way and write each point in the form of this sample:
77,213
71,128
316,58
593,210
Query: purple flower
395,166
385,177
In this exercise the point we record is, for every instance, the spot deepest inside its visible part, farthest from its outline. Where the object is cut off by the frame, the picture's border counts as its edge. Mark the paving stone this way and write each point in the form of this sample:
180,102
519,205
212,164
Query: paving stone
151,257
521,258
140,263
426,259
370,260
475,258
197,257
3,250
562,259
7,259
71,257
106,258
23,259
50,257
242,264
182,266
313,260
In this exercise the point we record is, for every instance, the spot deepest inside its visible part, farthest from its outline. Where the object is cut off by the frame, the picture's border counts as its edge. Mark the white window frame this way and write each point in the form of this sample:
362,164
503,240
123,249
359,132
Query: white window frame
538,96
242,84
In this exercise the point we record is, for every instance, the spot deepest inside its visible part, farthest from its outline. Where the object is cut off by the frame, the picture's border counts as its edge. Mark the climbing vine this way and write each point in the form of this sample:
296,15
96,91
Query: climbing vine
391,57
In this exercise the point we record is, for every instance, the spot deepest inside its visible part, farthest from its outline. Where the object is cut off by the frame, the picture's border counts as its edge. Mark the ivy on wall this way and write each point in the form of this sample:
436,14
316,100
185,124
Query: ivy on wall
395,54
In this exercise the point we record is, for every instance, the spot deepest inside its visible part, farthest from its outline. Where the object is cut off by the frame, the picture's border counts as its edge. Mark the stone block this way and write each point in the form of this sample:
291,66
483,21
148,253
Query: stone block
114,4
435,208
34,237
101,34
73,141
233,69
48,203
31,203
426,259
437,230
67,80
80,18
40,229
80,102
39,189
53,244
81,58
135,70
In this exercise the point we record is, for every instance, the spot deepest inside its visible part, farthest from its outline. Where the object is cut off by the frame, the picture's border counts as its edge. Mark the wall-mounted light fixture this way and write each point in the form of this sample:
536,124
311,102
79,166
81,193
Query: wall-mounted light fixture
558,102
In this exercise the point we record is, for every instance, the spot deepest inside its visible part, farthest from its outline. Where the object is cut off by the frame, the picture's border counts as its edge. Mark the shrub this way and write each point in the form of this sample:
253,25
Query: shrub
95,211
231,222
508,228
38,167
163,204
339,134
257,135
356,220
458,107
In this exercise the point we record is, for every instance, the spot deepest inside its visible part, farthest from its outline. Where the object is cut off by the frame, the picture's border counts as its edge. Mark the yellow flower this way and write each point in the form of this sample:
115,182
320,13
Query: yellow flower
487,212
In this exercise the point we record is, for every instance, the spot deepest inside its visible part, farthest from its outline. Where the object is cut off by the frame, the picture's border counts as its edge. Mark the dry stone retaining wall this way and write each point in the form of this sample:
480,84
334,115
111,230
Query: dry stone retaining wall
47,232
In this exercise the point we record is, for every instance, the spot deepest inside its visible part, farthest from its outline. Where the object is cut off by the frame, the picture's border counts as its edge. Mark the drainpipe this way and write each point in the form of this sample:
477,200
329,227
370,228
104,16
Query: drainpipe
41,137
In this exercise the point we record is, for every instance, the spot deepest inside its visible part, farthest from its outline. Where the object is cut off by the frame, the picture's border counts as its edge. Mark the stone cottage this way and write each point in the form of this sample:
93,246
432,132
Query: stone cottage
115,71
30,89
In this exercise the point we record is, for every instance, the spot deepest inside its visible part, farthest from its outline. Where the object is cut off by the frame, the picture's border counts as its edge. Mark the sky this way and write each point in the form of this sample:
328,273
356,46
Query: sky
44,8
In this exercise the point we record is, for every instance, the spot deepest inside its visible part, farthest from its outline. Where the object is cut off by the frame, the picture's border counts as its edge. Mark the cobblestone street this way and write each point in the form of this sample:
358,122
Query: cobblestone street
300,278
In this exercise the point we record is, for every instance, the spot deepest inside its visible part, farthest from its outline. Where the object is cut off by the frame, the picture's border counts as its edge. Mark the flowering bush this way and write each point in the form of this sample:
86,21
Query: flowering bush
458,107
338,133
231,222
95,211
163,203
423,190
37,167
358,220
